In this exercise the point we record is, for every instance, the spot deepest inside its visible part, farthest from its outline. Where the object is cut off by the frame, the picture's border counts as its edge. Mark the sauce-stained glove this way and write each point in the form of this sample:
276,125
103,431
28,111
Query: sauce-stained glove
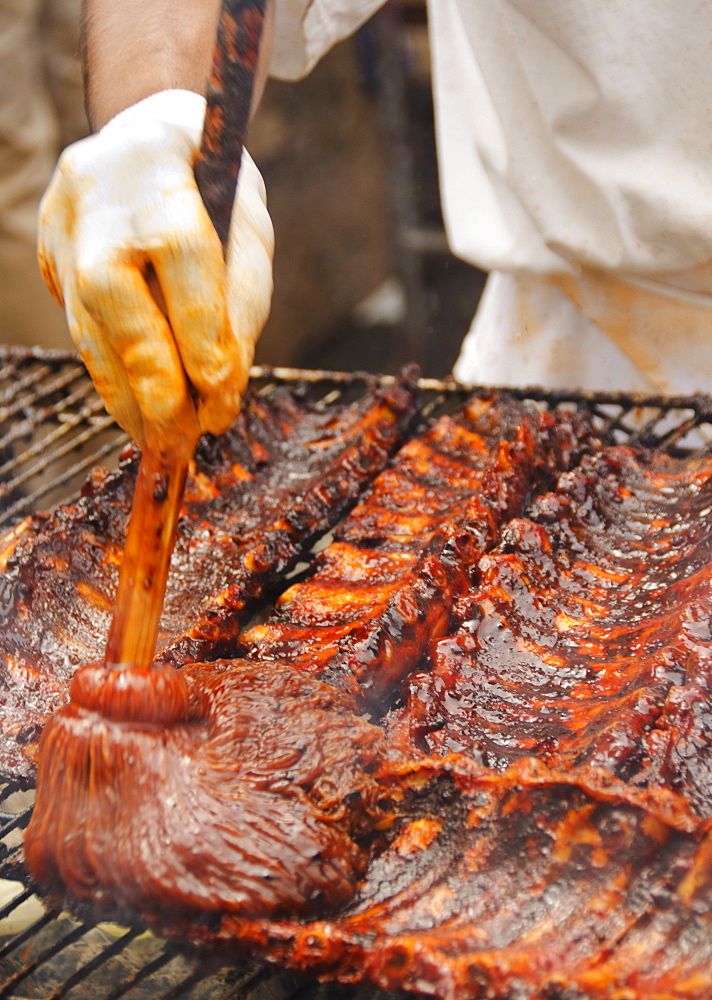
123,204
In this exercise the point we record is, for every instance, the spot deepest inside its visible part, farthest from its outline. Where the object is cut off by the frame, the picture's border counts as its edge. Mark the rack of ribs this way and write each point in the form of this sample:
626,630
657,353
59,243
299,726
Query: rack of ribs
525,615
548,780
255,500
384,588
587,639
522,883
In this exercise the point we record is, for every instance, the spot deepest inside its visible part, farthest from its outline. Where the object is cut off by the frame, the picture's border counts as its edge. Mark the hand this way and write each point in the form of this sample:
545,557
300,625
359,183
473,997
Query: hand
166,328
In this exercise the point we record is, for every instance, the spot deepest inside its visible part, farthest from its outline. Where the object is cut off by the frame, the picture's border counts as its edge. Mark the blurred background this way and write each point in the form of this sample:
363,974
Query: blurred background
363,276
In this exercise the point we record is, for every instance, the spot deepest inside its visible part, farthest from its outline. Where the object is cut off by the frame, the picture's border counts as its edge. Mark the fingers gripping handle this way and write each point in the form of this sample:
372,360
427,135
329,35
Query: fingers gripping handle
228,109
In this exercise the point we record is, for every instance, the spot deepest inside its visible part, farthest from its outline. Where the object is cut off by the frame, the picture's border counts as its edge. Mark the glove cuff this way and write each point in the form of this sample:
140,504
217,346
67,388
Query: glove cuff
183,108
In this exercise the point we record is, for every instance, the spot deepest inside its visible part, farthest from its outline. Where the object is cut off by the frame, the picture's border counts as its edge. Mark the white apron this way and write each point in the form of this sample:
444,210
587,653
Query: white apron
592,331
575,152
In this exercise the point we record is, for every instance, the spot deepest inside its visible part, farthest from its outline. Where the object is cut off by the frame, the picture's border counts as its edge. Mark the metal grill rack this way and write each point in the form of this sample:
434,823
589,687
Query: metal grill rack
53,431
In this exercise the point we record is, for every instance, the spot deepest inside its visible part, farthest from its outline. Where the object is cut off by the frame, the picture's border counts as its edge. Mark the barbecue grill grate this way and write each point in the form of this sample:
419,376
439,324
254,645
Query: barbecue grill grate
53,430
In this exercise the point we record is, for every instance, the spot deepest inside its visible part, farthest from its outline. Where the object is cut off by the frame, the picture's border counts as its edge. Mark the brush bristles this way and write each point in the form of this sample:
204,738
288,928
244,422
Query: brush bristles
254,806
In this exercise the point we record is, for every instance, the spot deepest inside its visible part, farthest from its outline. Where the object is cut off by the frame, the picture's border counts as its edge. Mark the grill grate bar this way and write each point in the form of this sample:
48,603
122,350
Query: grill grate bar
149,969
24,428
43,956
18,939
645,431
18,385
20,898
30,502
98,424
12,863
677,433
8,369
610,422
181,988
57,385
94,963
254,979
18,822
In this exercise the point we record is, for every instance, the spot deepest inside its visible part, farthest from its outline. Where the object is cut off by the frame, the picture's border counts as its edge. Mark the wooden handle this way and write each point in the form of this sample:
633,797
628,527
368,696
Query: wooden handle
147,554
228,111
159,488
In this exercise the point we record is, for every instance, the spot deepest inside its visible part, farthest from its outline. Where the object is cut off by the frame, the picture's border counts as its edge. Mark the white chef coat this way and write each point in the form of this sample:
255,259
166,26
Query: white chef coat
575,151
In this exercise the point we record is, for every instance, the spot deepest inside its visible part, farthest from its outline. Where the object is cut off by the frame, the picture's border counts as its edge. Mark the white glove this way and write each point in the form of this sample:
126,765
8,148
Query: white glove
122,202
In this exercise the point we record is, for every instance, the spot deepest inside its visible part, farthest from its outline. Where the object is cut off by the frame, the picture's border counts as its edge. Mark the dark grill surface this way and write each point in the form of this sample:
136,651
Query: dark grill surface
53,430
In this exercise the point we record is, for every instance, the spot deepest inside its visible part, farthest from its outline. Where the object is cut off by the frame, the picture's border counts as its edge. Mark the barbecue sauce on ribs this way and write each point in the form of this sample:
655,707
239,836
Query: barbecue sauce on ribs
385,588
254,803
255,498
588,638
534,820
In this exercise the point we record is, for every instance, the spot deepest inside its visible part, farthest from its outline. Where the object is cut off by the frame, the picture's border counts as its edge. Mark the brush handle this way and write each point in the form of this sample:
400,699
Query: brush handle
150,539
161,478
227,114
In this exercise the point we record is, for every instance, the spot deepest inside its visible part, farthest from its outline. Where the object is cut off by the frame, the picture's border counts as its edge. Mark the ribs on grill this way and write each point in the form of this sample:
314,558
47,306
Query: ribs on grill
255,500
384,589
528,812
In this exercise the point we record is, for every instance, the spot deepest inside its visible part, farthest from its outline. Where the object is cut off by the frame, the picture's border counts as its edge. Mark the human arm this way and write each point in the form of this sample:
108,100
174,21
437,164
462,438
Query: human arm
136,48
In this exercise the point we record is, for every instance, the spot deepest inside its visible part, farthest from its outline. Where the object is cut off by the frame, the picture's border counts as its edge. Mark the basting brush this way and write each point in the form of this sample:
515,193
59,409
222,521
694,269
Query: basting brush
144,797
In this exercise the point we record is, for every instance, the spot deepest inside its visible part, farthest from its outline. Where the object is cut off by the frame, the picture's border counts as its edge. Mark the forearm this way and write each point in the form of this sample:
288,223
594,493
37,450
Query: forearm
134,48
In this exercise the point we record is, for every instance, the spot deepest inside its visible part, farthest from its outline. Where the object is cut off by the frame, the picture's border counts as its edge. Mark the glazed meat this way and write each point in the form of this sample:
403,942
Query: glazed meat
532,820
587,638
385,587
327,853
558,845
256,498
517,884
